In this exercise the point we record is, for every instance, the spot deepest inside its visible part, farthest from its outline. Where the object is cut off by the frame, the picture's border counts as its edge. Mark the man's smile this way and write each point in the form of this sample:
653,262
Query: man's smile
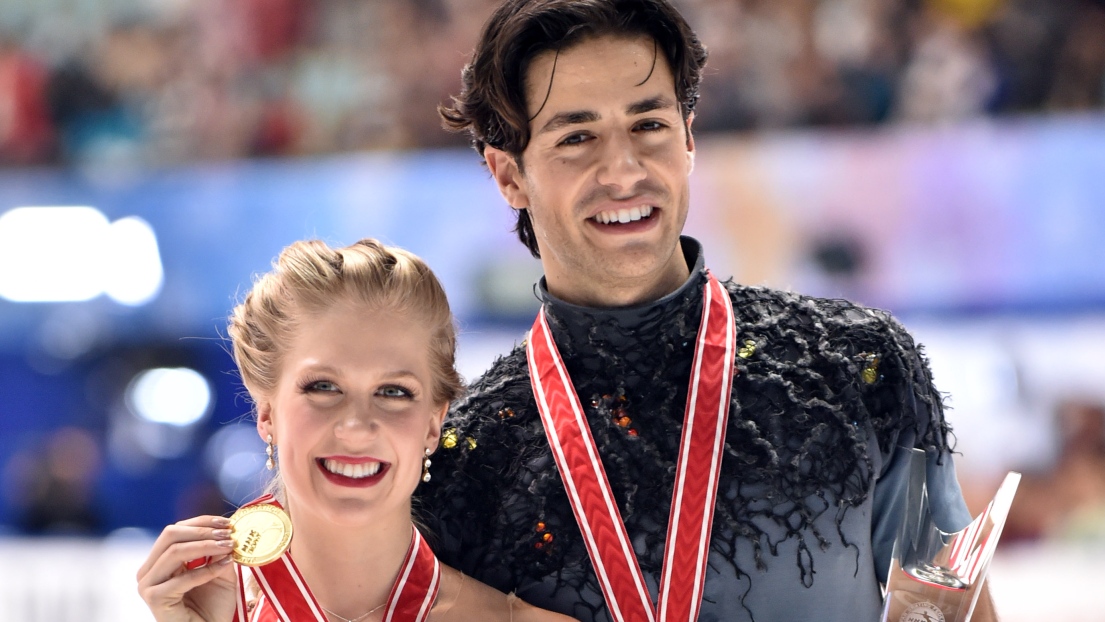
623,215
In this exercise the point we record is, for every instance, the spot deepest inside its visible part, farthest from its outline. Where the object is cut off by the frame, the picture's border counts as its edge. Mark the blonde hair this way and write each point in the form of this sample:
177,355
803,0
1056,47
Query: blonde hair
309,277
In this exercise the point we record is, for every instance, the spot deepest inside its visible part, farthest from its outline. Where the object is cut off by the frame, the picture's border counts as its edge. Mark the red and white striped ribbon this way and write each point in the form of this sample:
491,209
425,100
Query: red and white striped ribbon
287,598
697,470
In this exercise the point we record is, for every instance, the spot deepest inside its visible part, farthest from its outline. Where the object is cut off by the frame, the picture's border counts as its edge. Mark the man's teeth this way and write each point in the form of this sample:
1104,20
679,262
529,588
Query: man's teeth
356,471
624,215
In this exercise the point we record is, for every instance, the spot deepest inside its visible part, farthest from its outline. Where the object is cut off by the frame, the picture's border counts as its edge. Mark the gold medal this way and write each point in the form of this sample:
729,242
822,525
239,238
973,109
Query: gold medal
261,534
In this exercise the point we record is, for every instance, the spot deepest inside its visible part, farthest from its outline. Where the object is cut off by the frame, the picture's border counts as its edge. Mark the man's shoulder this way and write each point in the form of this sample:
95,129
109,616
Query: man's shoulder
758,304
826,329
507,370
501,395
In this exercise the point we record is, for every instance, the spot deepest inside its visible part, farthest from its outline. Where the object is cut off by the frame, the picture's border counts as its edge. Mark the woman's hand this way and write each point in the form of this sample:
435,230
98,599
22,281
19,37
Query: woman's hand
204,594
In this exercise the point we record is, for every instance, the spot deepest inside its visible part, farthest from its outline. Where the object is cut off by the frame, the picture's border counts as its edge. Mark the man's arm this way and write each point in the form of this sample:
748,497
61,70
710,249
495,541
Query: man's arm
984,608
945,497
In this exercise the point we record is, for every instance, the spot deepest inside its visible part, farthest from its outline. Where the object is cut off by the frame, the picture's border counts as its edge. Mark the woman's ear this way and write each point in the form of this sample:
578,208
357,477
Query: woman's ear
264,421
508,176
437,419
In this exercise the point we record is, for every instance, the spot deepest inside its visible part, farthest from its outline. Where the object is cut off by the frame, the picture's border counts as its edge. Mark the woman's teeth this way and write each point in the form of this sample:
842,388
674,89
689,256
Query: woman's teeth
355,471
624,215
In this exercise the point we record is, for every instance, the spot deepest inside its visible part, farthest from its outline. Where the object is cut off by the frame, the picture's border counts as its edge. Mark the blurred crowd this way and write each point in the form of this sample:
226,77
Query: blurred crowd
839,62
167,81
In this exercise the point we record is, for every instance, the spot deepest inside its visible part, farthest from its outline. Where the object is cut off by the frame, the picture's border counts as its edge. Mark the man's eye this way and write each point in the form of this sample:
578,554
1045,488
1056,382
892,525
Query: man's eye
650,126
574,139
394,391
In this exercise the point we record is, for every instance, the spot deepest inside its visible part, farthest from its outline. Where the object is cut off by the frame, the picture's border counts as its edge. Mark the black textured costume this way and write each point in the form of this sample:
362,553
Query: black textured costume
825,392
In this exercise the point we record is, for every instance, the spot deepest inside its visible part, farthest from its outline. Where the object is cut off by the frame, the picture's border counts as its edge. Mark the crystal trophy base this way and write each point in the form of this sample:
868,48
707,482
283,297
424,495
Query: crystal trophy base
935,576
926,595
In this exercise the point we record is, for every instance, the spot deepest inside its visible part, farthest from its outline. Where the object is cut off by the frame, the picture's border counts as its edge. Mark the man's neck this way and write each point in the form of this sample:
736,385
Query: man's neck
623,292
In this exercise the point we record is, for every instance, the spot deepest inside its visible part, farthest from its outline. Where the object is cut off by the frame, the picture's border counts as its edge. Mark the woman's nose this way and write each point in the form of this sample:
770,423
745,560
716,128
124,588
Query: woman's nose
358,418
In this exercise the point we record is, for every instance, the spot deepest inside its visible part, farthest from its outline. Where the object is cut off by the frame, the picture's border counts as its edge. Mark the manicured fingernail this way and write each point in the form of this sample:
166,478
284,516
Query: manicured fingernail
221,533
226,543
226,560
221,521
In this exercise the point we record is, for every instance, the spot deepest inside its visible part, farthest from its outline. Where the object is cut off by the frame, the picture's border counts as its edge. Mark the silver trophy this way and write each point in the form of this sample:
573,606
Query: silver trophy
935,576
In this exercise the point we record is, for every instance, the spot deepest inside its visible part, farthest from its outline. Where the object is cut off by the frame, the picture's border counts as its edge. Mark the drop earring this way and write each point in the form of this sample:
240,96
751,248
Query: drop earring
270,451
426,465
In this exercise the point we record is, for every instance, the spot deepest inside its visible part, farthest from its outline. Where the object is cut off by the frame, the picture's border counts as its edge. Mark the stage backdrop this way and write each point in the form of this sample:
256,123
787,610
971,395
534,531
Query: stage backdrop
988,217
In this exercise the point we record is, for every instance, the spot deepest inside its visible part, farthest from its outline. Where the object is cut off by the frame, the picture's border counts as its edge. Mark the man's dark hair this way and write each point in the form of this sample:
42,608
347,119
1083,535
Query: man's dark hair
492,102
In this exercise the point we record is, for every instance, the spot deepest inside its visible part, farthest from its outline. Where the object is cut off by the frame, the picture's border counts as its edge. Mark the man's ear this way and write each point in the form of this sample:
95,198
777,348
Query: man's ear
504,168
264,420
690,143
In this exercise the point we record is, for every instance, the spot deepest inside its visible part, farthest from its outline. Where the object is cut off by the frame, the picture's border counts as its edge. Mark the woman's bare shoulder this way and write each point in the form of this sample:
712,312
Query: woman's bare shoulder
464,598
521,611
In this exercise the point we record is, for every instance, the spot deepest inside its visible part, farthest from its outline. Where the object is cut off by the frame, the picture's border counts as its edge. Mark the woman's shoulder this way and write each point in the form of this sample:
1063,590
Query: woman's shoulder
464,598
521,611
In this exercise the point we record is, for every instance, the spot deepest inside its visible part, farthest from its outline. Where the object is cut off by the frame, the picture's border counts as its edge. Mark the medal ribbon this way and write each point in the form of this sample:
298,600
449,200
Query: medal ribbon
288,599
692,510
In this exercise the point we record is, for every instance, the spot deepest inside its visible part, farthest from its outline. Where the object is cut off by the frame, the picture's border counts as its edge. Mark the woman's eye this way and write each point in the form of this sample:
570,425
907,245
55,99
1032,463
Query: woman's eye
323,386
394,391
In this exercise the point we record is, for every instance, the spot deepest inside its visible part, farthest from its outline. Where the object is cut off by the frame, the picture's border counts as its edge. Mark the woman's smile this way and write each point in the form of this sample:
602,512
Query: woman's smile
355,473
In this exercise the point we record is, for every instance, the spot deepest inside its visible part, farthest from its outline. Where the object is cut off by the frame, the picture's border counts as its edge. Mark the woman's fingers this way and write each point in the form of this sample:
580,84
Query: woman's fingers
176,593
170,593
172,561
200,529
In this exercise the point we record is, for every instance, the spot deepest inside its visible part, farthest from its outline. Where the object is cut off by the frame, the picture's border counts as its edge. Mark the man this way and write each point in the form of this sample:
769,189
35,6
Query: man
582,111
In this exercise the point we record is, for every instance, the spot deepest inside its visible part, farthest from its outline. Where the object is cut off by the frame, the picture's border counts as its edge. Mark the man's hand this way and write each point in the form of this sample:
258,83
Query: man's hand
984,608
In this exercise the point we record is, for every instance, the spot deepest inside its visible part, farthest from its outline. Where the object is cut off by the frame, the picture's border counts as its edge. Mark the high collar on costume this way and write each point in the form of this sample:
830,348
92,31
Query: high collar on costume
579,325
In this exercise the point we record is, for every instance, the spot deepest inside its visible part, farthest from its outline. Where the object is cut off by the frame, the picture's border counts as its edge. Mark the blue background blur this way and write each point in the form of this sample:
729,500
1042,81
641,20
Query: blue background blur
979,220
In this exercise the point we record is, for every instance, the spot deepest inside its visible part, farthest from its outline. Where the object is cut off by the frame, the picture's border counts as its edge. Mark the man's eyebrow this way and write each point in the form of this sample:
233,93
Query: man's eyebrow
648,105
564,119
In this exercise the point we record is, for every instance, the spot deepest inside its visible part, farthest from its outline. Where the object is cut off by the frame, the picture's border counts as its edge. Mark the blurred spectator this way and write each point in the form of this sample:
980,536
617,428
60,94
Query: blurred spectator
201,498
26,133
950,75
53,484
1080,69
1067,502
90,117
169,82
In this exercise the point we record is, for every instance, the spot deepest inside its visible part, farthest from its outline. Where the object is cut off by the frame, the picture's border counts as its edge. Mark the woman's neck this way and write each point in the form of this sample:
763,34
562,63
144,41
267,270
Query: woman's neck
350,569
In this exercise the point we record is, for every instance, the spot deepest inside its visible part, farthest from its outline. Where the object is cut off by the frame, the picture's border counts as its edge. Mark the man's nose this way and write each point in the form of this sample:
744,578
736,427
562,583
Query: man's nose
621,166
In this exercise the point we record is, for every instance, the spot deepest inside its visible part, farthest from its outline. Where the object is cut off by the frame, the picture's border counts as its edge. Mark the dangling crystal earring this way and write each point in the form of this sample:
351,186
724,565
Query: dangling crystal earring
426,465
270,450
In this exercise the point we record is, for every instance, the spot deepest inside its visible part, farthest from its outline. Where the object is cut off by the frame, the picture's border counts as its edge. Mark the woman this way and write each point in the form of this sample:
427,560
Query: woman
348,356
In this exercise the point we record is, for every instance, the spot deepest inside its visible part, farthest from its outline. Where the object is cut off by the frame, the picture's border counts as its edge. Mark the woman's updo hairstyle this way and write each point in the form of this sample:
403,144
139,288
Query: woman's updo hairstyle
308,277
